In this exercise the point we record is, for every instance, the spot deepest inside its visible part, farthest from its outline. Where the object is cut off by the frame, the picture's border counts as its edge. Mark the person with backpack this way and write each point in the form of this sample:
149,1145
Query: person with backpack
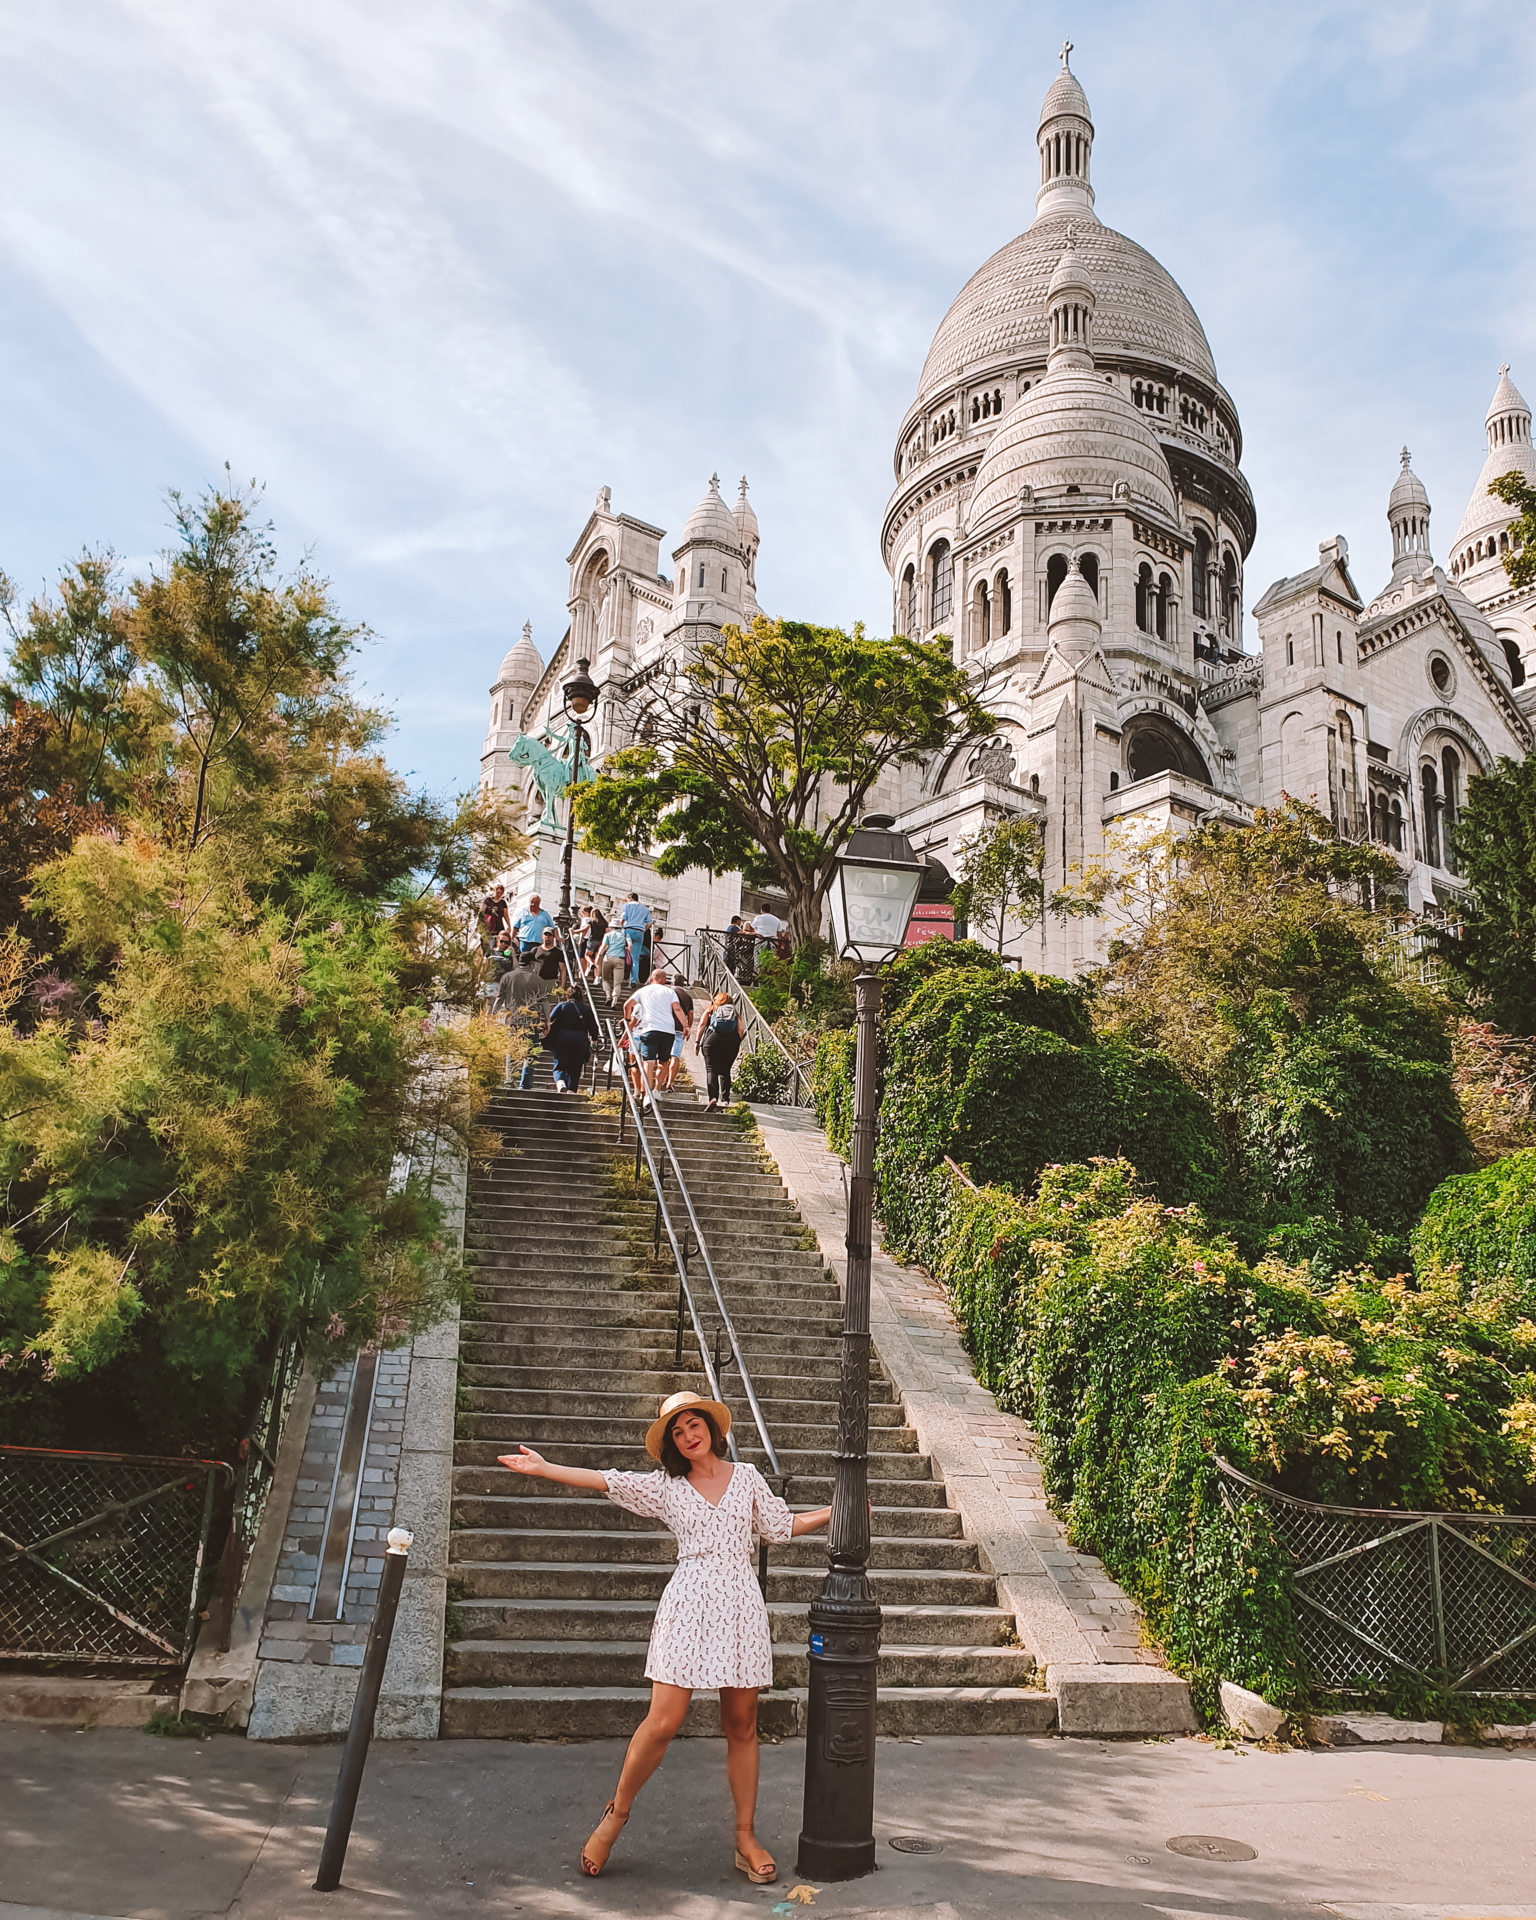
720,1040
572,1029
613,962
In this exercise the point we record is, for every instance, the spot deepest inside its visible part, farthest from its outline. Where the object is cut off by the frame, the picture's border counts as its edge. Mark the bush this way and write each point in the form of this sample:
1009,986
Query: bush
832,1085
999,1071
762,1075
1339,1119
1480,1229
1142,1346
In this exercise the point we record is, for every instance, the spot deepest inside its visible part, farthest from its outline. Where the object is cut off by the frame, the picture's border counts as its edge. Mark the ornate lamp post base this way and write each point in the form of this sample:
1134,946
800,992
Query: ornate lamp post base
837,1825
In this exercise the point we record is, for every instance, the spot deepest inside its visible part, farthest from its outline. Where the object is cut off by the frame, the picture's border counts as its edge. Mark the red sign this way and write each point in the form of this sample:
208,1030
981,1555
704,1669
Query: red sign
931,920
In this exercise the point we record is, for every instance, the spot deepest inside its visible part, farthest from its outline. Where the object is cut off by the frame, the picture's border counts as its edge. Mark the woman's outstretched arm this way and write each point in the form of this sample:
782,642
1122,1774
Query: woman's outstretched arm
812,1522
525,1460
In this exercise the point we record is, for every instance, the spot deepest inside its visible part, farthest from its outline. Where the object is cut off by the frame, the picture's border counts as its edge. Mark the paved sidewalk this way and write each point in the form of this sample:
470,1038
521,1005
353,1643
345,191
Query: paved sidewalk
116,1823
1070,1611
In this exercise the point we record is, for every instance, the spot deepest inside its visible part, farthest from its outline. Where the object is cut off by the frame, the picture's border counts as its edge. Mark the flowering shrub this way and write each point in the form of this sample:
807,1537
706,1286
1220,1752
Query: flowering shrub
1141,1345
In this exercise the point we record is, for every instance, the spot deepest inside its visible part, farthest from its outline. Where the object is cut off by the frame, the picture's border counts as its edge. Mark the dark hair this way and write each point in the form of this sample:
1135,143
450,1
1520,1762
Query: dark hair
671,1456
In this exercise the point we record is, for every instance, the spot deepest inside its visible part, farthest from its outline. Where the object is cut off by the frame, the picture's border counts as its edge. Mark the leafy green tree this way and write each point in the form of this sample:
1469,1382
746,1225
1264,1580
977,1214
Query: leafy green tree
73,659
1002,877
226,1074
1520,562
1493,954
760,754
229,649
1256,962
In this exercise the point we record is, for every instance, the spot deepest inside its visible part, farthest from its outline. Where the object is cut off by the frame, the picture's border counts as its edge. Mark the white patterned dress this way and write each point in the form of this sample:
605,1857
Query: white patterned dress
711,1626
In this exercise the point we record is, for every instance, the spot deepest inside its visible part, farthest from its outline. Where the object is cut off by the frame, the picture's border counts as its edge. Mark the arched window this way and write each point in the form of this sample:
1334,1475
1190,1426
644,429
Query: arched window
1338,640
723,579
1055,573
909,600
1144,598
1450,800
1088,566
1004,605
1290,651
1512,655
997,399
981,617
1200,598
1503,543
1163,610
1395,826
701,574
1430,793
941,583
1229,593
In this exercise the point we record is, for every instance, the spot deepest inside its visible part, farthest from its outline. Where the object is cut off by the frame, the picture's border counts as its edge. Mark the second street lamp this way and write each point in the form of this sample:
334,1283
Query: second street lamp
579,698
872,896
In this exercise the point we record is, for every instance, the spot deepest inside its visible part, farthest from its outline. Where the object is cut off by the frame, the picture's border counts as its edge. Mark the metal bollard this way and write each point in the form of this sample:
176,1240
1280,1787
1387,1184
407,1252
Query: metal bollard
354,1755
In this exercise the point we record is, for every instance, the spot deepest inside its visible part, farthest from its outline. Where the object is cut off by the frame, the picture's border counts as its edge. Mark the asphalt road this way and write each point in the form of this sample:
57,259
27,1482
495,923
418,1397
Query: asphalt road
119,1824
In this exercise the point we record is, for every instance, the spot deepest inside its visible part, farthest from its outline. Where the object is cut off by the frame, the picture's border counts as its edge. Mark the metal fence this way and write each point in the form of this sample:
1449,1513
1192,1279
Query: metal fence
102,1555
790,1078
1447,1597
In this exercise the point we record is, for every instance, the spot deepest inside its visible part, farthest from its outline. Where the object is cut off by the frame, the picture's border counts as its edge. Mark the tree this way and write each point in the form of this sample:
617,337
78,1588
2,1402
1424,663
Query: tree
73,659
759,754
1001,877
1261,969
1520,562
225,1070
1493,953
228,648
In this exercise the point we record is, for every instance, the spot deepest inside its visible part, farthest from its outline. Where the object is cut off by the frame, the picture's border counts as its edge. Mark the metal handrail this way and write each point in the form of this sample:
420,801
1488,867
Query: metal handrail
678,1254
712,971
725,1318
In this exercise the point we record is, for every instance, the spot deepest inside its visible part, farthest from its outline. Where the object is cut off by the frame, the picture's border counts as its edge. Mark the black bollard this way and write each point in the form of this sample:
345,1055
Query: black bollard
354,1755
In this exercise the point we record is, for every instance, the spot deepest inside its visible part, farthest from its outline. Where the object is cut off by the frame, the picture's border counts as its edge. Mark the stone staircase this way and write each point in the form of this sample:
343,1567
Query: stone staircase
566,1352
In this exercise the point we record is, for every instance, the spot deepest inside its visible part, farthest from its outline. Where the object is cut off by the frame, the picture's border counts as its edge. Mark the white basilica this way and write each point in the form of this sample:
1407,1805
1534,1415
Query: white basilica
1070,508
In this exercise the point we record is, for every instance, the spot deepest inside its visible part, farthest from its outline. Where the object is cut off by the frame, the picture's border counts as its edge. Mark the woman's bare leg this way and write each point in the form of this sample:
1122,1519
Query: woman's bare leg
738,1722
651,1739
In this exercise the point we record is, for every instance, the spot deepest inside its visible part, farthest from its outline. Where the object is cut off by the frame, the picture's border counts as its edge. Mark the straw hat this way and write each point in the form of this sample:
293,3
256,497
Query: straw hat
684,1403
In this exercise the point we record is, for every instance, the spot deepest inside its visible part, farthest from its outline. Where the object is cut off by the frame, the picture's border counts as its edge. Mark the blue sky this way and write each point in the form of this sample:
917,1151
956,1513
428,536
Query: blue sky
435,273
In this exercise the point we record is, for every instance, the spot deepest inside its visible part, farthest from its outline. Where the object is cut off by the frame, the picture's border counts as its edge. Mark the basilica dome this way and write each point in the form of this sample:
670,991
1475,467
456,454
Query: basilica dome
1000,311
1073,430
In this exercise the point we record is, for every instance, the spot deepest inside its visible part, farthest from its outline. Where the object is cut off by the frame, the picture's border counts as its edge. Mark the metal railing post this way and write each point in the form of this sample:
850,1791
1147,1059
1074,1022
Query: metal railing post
354,1755
1437,1600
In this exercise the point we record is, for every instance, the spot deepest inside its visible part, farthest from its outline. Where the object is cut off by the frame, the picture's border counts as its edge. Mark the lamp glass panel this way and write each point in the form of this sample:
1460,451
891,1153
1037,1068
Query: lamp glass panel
876,905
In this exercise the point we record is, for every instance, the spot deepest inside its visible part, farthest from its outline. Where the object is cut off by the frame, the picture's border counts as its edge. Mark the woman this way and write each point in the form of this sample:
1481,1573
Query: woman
711,1627
569,1038
719,1042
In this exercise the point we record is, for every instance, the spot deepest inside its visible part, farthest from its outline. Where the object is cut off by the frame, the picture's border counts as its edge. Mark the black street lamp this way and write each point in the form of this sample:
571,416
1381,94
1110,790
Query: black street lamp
578,698
871,901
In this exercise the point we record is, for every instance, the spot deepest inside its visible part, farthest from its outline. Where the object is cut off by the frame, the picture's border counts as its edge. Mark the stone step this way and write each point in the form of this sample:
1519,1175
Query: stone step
581,1581
599,1713
635,1310
591,1513
813,1489
557,1434
490,1620
609,1545
642,1349
815,1386
621,1663
636,1404
809,1463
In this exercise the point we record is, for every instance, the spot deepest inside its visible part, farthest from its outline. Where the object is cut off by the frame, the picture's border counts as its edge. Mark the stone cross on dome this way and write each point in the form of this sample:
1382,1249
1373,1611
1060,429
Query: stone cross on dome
1066,48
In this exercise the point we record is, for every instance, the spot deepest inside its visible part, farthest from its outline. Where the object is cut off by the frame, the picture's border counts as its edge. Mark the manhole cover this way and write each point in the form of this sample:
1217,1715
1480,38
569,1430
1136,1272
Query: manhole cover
1206,1846
910,1843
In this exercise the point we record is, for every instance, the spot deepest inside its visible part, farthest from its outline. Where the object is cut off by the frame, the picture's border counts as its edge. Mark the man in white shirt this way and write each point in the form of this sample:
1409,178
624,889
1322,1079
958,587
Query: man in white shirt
634,918
766,926
655,1017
